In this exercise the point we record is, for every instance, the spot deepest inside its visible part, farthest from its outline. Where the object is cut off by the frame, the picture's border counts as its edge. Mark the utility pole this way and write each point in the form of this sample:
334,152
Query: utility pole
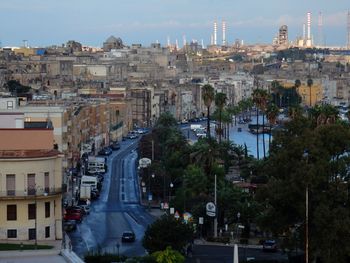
216,210
307,225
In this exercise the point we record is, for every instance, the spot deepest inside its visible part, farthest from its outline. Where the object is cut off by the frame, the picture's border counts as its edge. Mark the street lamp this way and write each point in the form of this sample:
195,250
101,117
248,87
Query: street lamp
171,186
149,191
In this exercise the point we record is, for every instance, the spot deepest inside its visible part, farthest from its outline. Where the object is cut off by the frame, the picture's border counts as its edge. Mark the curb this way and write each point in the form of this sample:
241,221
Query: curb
29,253
70,256
206,243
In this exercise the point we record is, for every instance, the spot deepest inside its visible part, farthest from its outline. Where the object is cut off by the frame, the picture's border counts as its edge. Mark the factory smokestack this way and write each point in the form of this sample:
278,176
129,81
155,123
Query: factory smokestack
215,33
224,33
308,40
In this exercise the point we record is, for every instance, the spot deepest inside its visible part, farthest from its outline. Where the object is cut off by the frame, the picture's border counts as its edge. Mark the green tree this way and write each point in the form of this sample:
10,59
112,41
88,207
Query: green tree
272,112
208,96
167,231
260,98
220,100
168,256
15,87
324,171
309,84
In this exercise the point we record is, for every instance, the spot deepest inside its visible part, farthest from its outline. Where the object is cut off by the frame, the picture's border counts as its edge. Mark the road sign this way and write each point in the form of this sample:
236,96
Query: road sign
150,198
172,210
177,215
211,209
166,206
201,220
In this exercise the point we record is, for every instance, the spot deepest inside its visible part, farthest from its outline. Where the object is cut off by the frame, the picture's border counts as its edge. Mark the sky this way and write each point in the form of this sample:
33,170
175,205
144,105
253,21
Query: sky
91,22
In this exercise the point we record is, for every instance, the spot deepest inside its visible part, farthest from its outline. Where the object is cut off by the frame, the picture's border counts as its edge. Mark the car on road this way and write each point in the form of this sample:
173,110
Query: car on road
128,236
69,225
270,245
115,146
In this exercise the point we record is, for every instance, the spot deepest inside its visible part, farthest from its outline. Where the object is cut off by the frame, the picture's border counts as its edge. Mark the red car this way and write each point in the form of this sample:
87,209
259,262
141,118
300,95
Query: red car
73,216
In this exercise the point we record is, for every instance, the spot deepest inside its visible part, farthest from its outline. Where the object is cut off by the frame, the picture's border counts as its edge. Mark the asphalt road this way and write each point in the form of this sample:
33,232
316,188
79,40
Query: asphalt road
118,209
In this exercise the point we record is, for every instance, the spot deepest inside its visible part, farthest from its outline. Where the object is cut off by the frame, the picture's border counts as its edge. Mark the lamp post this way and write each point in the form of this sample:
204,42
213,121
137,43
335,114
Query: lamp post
35,222
306,156
171,186
238,216
149,191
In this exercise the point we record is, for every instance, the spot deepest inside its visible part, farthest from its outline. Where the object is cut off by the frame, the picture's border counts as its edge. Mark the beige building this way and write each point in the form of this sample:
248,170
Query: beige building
30,185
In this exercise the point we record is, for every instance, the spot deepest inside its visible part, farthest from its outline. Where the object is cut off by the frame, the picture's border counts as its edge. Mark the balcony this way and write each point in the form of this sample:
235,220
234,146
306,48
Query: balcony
30,193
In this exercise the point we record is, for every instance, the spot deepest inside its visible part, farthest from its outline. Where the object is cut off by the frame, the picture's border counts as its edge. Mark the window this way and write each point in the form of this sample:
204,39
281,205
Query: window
31,233
47,182
47,231
47,209
10,105
11,212
31,184
31,211
11,233
11,184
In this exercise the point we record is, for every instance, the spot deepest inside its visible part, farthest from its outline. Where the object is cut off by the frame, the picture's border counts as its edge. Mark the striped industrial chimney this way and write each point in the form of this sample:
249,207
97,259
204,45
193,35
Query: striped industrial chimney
224,33
215,33
308,40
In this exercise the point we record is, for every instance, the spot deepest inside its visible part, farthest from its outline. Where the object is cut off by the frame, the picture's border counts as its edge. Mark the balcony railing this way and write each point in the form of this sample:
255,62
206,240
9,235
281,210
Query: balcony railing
31,192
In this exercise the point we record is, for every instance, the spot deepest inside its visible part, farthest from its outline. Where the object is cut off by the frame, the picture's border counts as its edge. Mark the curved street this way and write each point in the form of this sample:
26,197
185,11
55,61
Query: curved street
118,209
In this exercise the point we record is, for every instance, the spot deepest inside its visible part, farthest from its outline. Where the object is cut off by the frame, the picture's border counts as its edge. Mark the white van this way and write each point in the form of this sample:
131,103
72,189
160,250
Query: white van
96,164
89,181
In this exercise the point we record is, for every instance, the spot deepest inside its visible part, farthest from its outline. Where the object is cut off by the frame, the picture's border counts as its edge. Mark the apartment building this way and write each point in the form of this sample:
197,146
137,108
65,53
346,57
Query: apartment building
30,185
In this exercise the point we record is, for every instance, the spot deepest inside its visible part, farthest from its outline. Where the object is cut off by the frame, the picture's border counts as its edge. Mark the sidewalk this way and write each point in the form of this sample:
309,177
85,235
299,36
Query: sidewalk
55,255
203,242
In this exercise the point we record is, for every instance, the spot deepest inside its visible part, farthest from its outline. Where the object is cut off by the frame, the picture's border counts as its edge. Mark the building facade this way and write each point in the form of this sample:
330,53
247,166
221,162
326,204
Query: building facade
30,185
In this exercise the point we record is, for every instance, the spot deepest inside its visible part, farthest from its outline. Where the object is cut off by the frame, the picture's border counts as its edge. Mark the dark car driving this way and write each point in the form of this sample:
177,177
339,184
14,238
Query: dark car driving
128,236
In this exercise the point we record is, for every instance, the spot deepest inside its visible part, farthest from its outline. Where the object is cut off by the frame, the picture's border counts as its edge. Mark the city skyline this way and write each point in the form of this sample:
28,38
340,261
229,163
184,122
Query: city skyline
53,23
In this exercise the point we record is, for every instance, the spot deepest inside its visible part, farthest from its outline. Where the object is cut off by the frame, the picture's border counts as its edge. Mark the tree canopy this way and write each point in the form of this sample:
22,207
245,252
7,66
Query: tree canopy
167,231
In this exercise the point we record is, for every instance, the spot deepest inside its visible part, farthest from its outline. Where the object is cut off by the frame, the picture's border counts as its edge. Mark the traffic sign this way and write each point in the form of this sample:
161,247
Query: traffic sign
211,209
177,215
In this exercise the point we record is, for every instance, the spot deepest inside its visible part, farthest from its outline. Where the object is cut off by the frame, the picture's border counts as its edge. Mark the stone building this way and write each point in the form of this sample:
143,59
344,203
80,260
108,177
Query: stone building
30,185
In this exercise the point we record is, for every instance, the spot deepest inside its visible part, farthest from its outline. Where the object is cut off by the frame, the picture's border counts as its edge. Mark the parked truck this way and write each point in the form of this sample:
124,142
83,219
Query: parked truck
85,192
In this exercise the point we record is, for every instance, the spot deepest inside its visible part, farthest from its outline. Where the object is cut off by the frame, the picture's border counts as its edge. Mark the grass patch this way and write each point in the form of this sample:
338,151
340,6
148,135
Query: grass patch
6,246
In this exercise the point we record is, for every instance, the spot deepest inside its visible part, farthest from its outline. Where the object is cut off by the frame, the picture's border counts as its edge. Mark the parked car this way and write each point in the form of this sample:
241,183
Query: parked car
128,236
132,136
105,151
115,146
69,225
86,209
95,194
270,246
74,209
78,217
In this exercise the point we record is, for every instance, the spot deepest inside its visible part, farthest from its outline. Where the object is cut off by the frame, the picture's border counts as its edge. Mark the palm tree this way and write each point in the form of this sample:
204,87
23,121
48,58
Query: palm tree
297,83
260,98
208,97
309,84
272,113
220,100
